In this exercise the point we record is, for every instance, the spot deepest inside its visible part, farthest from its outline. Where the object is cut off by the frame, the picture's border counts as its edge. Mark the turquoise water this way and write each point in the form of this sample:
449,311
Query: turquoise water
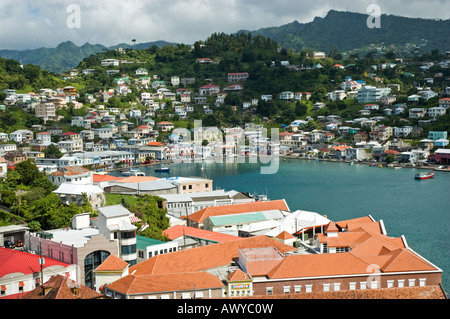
419,210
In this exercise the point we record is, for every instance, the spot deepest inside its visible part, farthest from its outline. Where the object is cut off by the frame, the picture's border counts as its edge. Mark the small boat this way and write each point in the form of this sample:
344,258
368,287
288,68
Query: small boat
424,175
132,172
162,170
351,163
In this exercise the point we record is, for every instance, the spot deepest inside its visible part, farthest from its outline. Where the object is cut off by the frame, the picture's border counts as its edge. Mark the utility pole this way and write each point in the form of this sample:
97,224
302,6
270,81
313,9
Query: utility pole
41,263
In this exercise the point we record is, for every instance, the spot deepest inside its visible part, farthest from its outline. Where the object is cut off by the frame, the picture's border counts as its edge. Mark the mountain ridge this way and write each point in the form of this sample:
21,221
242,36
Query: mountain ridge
66,55
348,30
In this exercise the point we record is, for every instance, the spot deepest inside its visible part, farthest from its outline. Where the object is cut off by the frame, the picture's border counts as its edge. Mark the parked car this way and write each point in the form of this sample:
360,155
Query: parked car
9,244
19,243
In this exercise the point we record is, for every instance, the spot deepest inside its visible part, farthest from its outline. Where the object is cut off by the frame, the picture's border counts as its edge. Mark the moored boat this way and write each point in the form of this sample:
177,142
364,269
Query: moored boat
427,175
132,172
162,169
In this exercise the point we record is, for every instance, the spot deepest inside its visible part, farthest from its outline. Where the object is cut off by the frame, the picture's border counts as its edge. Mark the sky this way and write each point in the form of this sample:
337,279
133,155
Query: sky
30,24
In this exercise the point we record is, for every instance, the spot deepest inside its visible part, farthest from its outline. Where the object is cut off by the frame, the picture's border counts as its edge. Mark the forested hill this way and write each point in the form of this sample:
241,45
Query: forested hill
66,55
347,30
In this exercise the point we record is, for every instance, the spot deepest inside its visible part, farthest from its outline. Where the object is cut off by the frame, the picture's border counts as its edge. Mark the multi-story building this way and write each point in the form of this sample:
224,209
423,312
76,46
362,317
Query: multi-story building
370,94
237,77
353,255
416,113
45,111
88,242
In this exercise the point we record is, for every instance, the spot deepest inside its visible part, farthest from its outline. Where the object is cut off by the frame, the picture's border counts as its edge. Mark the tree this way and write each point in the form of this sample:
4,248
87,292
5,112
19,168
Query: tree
301,109
52,152
150,210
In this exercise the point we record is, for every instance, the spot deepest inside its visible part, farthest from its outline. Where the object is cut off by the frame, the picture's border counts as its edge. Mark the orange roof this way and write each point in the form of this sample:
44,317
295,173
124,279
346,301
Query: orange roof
112,263
331,227
97,178
178,231
295,266
155,144
201,215
341,148
238,275
284,235
205,257
134,284
137,179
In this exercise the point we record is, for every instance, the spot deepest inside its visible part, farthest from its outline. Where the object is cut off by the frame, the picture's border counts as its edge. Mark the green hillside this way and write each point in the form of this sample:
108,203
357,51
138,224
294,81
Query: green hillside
347,30
66,55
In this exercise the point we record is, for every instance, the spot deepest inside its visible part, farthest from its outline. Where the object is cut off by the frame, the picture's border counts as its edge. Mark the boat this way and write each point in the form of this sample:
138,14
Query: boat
162,170
132,172
424,175
351,163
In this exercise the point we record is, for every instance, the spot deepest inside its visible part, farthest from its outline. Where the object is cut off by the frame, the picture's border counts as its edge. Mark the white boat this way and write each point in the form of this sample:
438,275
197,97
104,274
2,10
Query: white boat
132,172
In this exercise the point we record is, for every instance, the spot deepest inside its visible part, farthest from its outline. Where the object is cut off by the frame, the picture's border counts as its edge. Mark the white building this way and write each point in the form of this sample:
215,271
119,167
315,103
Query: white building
115,224
370,94
110,62
436,111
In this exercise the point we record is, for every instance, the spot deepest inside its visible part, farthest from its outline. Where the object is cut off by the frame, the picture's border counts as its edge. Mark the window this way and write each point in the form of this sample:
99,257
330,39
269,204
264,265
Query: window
422,282
128,249
362,285
308,288
390,283
297,289
401,283
325,248
128,234
337,286
374,284
352,285
326,287
269,291
411,282
286,289
190,186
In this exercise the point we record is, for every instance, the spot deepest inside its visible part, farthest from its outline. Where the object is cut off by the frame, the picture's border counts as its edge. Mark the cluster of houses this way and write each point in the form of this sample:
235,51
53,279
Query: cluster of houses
227,249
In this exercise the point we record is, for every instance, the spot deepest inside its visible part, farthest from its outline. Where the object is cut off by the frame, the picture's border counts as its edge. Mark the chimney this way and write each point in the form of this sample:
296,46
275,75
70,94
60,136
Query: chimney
76,291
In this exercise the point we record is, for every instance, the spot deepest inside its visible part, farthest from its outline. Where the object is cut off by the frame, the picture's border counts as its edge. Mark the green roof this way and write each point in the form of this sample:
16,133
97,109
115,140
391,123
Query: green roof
237,219
143,242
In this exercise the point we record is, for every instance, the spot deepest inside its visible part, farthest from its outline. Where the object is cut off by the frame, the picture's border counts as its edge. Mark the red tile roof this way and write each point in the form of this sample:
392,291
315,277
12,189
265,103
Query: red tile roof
205,257
61,287
16,261
97,178
139,284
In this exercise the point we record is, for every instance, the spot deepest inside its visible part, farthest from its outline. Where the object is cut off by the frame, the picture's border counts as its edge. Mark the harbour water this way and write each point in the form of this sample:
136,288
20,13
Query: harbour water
419,210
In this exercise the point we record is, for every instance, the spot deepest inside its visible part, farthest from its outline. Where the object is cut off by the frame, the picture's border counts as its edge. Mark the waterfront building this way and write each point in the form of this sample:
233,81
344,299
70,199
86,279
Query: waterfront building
179,205
198,218
352,255
442,156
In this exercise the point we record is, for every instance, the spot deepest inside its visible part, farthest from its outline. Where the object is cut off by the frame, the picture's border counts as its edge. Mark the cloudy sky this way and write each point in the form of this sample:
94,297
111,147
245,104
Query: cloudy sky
29,24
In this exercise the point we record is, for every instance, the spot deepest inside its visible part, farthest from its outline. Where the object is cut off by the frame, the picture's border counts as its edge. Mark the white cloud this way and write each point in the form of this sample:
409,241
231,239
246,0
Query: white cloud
37,23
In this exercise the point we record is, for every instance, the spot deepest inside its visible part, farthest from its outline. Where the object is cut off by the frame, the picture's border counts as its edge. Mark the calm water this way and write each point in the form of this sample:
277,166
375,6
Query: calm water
419,210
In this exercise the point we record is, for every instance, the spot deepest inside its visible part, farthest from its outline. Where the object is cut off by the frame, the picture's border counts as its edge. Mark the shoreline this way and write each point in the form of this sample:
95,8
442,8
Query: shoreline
290,157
